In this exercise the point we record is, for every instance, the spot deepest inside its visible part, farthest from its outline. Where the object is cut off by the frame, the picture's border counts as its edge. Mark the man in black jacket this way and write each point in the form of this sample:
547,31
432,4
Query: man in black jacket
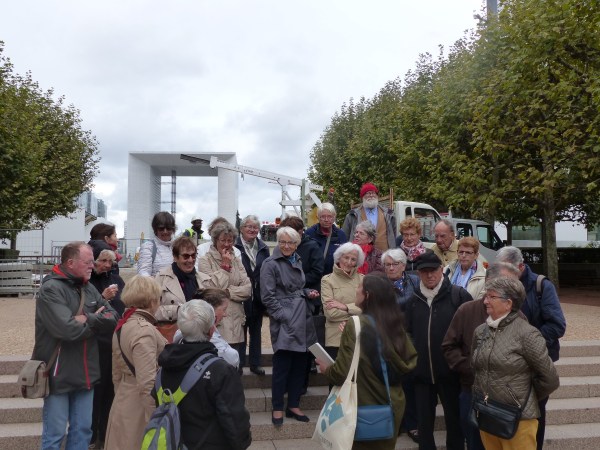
69,314
213,415
428,314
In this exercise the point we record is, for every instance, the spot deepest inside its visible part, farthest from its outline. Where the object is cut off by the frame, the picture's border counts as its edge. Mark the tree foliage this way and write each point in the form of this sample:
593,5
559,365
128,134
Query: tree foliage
505,126
46,159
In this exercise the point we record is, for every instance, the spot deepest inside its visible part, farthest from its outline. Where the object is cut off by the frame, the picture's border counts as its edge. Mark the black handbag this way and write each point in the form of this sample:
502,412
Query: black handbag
497,418
375,422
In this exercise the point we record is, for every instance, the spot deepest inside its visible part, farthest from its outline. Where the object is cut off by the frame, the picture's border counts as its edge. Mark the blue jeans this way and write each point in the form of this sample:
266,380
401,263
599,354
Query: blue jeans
73,408
471,432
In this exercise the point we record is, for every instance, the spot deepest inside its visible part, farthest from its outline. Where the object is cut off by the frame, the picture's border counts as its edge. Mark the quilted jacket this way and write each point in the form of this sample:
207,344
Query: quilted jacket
508,359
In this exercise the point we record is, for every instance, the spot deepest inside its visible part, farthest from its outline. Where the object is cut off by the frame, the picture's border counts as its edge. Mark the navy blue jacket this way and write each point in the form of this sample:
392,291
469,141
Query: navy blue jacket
546,315
311,256
338,237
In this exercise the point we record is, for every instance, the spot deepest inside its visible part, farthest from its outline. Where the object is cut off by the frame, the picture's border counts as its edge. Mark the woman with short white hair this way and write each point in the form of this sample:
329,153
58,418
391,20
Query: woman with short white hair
291,325
338,291
327,234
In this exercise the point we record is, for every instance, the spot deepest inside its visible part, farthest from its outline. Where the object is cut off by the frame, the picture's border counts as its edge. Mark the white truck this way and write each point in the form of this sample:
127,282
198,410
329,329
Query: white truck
428,216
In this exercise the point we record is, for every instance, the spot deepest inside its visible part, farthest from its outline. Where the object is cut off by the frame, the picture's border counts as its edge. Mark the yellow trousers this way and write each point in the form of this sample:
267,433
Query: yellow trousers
524,439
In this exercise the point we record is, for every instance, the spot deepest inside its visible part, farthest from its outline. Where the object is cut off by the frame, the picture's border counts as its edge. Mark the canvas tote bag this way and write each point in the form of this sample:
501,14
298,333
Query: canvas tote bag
337,420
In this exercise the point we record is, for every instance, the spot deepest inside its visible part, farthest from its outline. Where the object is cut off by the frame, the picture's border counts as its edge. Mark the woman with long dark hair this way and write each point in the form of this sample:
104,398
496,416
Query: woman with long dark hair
376,297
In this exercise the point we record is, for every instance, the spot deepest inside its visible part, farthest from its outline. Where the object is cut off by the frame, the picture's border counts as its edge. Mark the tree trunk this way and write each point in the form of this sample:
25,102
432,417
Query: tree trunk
509,232
549,237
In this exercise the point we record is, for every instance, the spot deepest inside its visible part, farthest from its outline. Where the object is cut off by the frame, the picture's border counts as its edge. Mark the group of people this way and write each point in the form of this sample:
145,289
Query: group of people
449,329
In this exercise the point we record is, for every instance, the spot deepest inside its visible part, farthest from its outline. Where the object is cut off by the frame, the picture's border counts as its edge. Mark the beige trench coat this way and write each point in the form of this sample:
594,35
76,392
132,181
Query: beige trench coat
240,289
172,297
133,405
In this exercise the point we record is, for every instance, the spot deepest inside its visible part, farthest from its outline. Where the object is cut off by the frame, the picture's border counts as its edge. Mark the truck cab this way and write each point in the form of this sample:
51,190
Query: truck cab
424,213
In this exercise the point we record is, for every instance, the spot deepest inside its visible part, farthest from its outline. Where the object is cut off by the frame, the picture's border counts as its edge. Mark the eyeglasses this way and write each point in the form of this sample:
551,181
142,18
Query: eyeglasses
287,243
328,218
494,297
251,227
187,256
165,228
465,252
87,263
371,194
226,241
394,264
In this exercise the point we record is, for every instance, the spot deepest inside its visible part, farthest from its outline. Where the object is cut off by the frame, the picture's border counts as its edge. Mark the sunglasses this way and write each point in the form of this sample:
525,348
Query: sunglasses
186,256
165,228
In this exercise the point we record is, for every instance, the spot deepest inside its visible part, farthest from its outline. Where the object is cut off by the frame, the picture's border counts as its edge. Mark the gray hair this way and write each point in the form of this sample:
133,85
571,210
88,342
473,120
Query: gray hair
347,248
368,227
293,234
446,222
326,207
508,288
397,255
107,254
501,269
511,255
250,218
222,228
195,319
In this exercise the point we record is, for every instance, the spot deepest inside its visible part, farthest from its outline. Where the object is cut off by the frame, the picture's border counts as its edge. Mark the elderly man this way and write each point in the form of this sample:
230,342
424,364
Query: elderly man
543,311
69,313
457,348
428,314
253,251
383,219
446,245
327,234
213,413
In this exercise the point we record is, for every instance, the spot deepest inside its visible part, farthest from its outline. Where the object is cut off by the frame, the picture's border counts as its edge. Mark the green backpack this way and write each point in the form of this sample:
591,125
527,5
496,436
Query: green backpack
163,431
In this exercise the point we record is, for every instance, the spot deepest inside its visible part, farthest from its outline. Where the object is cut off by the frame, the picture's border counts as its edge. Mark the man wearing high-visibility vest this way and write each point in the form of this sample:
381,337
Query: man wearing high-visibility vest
195,231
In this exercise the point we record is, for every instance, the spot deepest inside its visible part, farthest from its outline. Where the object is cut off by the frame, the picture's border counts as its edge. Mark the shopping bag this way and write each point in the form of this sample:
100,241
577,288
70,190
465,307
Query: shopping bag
337,421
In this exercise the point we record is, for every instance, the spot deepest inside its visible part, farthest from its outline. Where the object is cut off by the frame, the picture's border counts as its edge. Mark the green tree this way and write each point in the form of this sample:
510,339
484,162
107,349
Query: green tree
46,159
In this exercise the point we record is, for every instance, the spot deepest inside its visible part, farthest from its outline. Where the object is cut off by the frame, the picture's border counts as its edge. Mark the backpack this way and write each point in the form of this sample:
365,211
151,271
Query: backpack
163,431
539,287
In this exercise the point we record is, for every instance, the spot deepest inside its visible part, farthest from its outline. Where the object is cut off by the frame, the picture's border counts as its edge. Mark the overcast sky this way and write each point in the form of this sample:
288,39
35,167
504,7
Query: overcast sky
260,78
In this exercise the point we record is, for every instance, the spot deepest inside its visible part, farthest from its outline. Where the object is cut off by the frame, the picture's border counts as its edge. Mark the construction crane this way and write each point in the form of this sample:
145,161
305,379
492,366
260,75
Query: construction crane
307,196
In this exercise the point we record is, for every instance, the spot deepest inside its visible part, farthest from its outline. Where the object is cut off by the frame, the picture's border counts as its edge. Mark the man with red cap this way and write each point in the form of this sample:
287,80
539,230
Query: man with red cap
382,218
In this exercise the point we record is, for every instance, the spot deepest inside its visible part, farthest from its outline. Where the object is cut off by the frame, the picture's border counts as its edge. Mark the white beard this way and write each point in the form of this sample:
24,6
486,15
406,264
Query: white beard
370,203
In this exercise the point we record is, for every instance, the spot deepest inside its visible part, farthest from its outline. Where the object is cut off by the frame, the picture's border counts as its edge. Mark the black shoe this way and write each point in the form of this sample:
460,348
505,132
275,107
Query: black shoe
298,417
257,370
414,435
276,422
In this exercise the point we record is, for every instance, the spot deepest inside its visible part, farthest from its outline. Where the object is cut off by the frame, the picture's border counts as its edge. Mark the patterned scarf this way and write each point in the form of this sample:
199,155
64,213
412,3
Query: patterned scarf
413,252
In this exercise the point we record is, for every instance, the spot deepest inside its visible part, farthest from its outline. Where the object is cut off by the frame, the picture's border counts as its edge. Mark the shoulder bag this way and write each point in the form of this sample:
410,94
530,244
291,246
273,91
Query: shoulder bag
337,420
376,422
34,378
494,417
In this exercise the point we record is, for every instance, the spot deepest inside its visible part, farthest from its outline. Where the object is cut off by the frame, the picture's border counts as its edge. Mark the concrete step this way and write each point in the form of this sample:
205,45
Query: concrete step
20,410
21,436
12,364
578,366
259,400
578,387
579,348
252,381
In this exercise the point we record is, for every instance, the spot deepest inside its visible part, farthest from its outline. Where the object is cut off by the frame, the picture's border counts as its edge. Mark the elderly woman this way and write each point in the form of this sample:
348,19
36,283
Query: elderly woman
292,329
253,252
467,271
365,236
136,346
510,362
229,272
327,234
405,284
410,236
179,282
155,253
376,299
109,285
213,413
338,291
394,262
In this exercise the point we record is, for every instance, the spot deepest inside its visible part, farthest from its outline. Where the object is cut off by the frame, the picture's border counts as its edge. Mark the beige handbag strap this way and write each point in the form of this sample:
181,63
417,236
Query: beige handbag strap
355,356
